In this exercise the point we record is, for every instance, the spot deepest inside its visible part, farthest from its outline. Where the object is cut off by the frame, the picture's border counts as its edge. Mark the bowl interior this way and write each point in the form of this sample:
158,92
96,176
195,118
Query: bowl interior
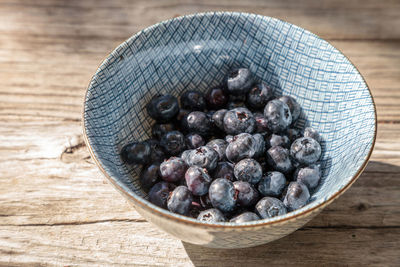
195,52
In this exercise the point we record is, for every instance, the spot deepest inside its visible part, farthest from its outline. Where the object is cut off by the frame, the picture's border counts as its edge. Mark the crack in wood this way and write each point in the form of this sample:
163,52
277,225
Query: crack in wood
389,121
349,227
74,150
76,223
73,147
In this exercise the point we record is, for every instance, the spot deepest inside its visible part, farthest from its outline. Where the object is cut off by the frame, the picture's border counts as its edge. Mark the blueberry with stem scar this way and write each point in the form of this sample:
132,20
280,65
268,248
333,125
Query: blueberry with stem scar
305,150
239,120
163,108
173,143
239,81
211,215
278,116
197,180
269,207
246,194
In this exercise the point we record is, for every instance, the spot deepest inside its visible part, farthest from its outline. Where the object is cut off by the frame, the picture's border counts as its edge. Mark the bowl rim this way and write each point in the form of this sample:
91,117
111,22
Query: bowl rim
145,204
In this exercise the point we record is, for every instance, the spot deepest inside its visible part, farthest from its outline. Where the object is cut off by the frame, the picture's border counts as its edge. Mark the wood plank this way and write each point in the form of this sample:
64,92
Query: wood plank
331,19
309,247
129,243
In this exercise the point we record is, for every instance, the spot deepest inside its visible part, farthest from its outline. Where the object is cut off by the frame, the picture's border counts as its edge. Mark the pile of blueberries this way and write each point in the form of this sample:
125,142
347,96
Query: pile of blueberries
231,154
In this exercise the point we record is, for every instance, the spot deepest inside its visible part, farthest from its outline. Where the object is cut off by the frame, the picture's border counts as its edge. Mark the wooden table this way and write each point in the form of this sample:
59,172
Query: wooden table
55,207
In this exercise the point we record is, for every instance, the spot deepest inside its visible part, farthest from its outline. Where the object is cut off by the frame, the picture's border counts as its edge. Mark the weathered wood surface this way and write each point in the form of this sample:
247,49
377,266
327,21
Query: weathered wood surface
55,207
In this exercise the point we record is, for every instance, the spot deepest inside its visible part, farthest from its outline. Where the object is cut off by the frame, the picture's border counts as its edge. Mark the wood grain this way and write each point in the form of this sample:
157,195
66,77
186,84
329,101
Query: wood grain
141,244
342,19
55,207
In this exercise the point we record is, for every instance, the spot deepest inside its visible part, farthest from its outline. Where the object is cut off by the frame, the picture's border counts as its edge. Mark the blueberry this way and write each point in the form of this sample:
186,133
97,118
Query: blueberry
194,140
211,215
278,158
239,81
158,194
296,196
242,146
272,184
157,154
259,145
277,140
197,180
198,122
293,134
278,115
173,169
309,175
149,176
180,200
305,150
224,170
245,217
259,95
239,120
216,98
218,145
159,129
246,194
193,100
222,195
261,123
311,132
204,157
163,108
269,207
218,118
248,170
136,153
293,106
185,156
173,142
229,138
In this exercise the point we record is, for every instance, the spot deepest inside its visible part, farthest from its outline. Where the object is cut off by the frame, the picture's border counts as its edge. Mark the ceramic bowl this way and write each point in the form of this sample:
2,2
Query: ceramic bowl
195,52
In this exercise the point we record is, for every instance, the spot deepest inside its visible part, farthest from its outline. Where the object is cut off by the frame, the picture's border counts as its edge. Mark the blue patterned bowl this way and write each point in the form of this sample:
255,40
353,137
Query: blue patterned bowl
195,52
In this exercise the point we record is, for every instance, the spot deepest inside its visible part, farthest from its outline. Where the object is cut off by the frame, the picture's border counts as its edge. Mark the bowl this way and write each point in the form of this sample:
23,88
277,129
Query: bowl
195,52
